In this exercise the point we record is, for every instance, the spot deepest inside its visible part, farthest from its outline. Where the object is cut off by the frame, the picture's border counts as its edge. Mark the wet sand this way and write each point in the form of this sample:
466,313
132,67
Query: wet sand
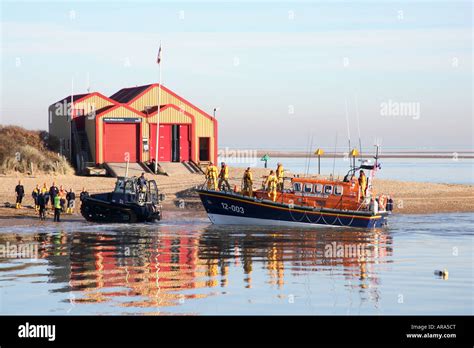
409,197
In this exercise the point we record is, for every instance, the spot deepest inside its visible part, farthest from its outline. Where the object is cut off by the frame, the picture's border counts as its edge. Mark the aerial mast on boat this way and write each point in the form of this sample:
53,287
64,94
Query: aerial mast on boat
348,130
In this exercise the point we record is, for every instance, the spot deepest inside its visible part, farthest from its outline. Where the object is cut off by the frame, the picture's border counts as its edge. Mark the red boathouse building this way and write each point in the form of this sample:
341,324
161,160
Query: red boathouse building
123,127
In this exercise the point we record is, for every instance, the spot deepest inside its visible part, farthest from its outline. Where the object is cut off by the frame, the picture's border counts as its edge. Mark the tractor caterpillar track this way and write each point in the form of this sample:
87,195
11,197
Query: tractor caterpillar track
97,211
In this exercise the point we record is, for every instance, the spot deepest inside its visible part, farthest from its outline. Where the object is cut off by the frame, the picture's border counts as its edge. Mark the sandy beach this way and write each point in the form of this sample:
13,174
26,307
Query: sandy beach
410,197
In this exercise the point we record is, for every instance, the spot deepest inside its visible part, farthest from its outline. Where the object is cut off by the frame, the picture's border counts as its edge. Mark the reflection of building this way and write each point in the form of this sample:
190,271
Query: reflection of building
152,269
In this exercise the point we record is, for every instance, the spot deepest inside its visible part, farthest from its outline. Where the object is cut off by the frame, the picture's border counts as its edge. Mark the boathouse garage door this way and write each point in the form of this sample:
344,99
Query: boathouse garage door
175,143
121,139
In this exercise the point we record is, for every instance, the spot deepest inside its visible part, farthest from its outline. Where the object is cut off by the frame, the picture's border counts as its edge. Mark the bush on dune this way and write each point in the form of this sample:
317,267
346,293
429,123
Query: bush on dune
22,150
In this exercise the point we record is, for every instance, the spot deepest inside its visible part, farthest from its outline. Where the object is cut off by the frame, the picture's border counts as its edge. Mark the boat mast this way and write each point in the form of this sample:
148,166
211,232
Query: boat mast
310,152
358,126
377,146
348,132
334,157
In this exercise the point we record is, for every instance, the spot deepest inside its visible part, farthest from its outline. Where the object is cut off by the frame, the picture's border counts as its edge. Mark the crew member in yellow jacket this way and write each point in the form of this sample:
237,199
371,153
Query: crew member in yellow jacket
279,175
362,183
211,176
247,187
271,184
224,178
45,192
35,194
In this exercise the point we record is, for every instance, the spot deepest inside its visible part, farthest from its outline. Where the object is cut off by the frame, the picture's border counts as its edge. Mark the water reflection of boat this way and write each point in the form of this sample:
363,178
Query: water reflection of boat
287,252
308,202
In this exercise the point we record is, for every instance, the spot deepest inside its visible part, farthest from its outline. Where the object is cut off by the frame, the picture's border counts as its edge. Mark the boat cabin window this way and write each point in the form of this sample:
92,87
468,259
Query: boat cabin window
318,188
297,187
328,189
308,188
338,190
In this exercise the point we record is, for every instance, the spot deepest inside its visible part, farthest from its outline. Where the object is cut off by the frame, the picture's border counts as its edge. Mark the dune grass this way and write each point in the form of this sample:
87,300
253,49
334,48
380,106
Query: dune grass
30,152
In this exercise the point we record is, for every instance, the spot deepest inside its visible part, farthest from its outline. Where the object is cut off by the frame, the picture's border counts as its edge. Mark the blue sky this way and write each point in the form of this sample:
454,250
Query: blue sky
278,71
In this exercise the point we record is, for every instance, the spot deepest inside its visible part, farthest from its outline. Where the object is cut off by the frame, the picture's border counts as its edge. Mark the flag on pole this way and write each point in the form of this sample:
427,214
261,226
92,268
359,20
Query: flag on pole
158,59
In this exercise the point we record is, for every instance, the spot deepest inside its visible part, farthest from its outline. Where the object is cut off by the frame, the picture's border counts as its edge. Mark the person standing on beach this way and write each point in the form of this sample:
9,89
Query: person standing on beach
35,194
83,194
41,205
45,192
53,192
224,178
62,198
71,201
362,183
57,208
20,193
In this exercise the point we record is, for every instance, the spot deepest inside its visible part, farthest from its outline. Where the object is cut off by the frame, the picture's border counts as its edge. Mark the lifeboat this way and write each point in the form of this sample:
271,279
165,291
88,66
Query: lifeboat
304,202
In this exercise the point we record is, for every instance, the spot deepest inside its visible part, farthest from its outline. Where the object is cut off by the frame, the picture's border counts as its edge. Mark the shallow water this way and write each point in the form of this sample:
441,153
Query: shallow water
193,267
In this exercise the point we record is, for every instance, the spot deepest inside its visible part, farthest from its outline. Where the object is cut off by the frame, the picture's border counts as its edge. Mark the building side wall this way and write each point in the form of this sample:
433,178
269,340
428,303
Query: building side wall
60,127
60,122
91,136
93,103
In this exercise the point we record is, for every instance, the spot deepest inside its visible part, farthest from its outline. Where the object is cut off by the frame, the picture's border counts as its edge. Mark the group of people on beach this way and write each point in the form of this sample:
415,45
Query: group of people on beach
61,200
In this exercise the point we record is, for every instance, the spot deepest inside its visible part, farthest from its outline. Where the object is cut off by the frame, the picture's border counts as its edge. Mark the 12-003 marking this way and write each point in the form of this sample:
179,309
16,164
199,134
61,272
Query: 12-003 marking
233,208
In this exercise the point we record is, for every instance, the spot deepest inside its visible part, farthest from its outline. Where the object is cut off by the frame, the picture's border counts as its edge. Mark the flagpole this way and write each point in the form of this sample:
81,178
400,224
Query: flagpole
158,111
70,118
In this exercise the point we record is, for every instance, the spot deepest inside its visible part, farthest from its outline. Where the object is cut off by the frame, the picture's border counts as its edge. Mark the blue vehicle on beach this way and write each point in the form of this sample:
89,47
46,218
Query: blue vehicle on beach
129,202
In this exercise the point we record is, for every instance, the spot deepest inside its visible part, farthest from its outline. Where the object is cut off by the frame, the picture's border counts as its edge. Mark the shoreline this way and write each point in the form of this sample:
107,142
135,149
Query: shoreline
401,155
409,197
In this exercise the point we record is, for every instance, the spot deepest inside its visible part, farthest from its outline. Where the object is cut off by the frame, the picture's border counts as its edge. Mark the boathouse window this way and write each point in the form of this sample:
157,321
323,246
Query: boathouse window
328,189
297,187
318,188
308,188
338,190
